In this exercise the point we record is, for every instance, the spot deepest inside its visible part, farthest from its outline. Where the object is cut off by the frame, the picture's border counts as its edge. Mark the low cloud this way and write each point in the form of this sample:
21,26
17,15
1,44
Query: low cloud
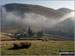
32,19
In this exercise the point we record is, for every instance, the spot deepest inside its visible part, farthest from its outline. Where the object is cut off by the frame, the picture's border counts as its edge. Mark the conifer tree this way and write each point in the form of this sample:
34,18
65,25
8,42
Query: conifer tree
30,33
40,34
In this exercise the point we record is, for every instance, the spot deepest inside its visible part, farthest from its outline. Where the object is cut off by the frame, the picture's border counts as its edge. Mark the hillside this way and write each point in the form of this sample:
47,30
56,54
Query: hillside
64,28
14,14
17,16
27,8
65,10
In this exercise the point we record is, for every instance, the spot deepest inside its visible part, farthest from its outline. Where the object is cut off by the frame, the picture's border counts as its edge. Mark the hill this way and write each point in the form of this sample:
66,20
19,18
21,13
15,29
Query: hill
65,10
17,16
32,15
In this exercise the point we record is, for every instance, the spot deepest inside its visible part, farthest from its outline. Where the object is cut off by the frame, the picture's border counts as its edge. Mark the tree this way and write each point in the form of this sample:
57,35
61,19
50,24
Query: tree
30,33
40,34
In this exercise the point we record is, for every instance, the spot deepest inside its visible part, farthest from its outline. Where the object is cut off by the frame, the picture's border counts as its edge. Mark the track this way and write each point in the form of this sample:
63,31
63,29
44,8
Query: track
18,39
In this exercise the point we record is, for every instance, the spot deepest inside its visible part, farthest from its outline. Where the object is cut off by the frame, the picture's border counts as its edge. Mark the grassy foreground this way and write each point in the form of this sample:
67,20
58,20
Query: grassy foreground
38,47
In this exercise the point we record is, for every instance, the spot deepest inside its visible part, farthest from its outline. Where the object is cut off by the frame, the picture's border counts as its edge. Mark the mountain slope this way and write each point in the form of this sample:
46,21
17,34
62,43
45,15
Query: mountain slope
17,16
65,10
25,8
64,28
20,16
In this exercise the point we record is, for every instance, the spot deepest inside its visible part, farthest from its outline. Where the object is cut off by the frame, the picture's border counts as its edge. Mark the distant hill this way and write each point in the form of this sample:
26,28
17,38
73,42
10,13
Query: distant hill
65,10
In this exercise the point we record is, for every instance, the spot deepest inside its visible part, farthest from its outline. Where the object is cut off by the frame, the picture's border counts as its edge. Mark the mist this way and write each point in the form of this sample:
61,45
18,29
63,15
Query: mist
69,15
32,19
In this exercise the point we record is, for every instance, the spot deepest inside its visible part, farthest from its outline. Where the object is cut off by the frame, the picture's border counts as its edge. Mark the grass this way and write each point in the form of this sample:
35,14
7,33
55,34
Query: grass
38,47
4,36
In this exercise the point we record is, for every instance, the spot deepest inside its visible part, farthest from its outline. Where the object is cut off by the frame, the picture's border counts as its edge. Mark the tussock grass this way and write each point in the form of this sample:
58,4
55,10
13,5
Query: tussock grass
38,47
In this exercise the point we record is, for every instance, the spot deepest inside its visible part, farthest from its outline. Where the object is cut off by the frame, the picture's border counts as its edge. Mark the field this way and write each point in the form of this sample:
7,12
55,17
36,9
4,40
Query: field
38,47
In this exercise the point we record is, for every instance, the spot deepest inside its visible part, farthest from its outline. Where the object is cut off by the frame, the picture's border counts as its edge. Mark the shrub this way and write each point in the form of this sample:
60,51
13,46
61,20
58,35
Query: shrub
26,44
44,39
22,45
17,46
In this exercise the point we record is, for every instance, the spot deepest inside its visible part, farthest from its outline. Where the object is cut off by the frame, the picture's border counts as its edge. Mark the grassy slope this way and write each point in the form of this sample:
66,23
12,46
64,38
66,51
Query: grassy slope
39,48
49,36
4,36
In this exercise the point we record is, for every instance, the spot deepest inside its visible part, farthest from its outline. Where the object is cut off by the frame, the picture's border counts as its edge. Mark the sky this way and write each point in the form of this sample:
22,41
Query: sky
49,3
